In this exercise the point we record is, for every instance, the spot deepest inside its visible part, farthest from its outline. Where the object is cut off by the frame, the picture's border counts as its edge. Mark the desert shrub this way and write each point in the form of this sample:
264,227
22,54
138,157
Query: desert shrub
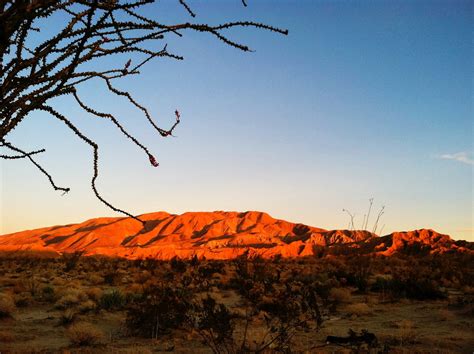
209,269
158,310
135,288
84,334
143,276
358,309
58,281
177,265
356,341
70,298
340,295
94,293
407,333
7,305
111,277
32,285
445,315
112,299
356,271
214,323
71,260
67,317
254,276
95,279
6,337
289,310
23,299
281,316
73,283
19,287
468,290
131,296
186,280
147,264
323,289
87,306
194,261
464,305
48,294
411,287
273,297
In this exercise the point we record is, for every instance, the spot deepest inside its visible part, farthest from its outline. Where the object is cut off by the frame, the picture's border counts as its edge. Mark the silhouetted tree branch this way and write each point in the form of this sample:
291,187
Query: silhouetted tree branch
33,75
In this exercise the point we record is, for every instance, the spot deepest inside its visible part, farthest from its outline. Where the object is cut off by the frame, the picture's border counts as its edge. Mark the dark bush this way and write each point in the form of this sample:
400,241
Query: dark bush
71,260
158,310
410,288
177,265
112,300
214,323
48,294
110,278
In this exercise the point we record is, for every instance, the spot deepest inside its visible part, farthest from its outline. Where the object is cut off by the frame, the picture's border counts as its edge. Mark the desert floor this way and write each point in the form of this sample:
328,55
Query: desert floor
45,301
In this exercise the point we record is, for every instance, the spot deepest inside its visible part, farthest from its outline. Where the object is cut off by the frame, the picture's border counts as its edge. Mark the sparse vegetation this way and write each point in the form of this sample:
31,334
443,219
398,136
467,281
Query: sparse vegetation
244,305
340,295
112,299
84,334
70,297
48,294
6,336
67,317
157,311
366,218
358,309
7,306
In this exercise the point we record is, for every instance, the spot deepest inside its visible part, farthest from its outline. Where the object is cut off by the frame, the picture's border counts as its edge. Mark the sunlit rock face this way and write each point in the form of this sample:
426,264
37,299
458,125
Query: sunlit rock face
217,235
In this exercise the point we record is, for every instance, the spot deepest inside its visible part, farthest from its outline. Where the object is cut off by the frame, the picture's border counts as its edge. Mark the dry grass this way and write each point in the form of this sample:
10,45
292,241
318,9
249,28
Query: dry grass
85,334
67,317
58,281
6,336
407,333
358,309
87,306
71,297
94,293
69,307
95,279
445,315
23,299
7,305
340,295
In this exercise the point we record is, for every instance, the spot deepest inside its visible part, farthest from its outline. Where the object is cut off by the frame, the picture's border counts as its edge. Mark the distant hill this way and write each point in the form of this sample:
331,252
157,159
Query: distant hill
220,235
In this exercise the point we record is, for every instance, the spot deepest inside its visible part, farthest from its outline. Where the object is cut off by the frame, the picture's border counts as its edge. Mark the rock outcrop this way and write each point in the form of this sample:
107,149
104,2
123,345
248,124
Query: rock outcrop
216,235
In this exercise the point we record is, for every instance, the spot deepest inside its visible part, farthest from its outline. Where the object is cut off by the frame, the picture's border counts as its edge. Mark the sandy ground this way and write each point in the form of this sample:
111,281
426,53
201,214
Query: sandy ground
408,326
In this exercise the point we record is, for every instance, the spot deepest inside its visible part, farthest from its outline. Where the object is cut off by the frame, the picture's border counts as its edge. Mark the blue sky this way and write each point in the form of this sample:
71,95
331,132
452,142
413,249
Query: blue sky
361,99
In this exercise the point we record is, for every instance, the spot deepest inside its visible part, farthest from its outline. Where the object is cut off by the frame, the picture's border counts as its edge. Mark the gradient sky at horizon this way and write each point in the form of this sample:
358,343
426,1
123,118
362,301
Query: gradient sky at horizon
362,99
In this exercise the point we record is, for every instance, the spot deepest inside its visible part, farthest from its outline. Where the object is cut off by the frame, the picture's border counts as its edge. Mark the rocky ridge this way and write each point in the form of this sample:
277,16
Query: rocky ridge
218,235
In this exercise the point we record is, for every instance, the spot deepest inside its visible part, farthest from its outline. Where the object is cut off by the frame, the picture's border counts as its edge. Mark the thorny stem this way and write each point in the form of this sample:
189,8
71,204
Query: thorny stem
32,76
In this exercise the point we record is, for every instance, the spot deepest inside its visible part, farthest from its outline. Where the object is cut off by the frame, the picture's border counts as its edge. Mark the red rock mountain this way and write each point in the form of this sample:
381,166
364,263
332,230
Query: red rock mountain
216,235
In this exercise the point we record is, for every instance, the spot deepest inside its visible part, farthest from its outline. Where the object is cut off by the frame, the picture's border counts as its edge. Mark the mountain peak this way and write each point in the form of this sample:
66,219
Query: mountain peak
214,235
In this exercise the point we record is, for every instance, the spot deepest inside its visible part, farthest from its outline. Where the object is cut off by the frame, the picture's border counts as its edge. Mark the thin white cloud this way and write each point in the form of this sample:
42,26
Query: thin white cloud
462,156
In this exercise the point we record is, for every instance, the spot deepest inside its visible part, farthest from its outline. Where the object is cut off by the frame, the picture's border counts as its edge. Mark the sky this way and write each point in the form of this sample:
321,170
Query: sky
366,99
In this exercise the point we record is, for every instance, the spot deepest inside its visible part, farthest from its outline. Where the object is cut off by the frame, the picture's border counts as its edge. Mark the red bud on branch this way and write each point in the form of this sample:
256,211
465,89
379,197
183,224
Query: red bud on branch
153,161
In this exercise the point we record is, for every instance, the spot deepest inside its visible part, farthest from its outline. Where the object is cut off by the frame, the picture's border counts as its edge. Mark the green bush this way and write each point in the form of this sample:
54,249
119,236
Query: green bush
112,300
